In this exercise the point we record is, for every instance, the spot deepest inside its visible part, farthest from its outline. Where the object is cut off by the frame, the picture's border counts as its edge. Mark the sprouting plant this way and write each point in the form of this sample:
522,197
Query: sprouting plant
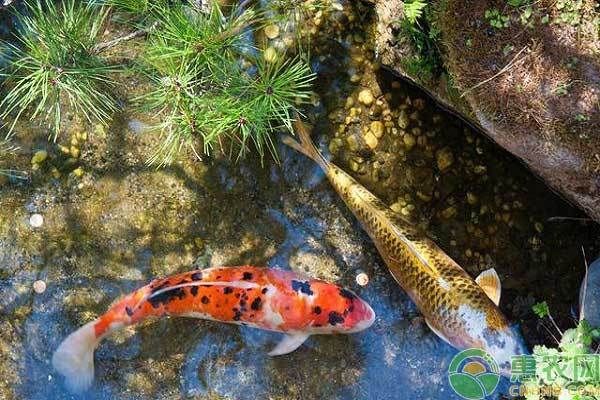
525,17
572,365
569,12
413,10
541,309
208,83
53,63
497,19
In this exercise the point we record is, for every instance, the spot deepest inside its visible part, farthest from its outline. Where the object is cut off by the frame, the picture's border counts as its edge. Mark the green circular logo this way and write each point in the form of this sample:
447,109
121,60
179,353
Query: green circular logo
473,374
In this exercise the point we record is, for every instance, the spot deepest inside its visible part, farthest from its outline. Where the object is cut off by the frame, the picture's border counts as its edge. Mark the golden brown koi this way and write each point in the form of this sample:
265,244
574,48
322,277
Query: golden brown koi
462,311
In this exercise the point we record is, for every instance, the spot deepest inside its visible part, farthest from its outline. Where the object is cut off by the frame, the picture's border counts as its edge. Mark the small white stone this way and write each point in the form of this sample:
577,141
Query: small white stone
36,220
362,279
39,286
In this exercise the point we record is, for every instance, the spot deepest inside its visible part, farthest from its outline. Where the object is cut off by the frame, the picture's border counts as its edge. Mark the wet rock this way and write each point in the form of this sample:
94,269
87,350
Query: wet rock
36,220
371,140
377,129
271,31
366,97
270,55
444,158
39,157
403,120
409,141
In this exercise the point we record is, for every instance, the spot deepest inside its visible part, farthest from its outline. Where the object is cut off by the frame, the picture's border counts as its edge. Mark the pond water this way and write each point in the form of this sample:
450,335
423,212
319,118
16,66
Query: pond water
118,224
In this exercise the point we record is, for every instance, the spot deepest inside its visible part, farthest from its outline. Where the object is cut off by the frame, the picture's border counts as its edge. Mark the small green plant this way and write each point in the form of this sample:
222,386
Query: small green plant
54,63
496,19
569,12
418,25
570,367
209,84
581,118
526,17
562,89
413,10
541,309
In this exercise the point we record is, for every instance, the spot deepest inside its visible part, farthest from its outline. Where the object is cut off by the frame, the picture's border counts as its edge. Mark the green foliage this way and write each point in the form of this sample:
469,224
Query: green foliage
419,27
569,12
208,83
413,10
572,365
138,7
497,19
53,63
541,309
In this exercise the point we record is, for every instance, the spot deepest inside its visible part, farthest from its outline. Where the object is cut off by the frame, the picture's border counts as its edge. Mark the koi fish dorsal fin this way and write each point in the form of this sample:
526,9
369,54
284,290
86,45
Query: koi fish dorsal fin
288,344
489,281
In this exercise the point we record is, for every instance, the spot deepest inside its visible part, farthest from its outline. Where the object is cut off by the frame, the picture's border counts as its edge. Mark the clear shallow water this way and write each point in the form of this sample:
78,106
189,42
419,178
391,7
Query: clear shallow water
182,357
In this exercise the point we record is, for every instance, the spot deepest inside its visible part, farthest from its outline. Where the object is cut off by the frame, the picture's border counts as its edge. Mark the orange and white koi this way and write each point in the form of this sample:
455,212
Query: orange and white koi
264,298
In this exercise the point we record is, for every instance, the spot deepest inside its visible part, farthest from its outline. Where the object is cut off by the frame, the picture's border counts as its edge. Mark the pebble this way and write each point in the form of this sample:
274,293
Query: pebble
371,140
39,157
472,198
396,207
78,172
39,286
270,55
36,220
403,120
272,31
409,141
352,143
377,129
349,102
366,97
362,279
444,158
449,212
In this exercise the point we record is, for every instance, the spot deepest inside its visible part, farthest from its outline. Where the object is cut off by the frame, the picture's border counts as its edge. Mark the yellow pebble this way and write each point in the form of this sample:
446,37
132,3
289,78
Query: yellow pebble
270,54
272,31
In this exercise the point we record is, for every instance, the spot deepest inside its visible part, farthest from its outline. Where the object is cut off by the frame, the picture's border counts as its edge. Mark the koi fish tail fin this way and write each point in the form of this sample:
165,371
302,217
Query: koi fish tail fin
306,145
74,358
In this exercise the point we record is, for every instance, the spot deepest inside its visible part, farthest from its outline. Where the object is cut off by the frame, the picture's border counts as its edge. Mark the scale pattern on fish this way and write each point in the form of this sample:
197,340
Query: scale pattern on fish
462,311
265,298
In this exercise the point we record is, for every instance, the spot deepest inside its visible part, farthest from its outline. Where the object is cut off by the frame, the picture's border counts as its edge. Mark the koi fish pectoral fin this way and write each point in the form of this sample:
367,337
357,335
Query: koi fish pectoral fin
438,333
289,343
489,281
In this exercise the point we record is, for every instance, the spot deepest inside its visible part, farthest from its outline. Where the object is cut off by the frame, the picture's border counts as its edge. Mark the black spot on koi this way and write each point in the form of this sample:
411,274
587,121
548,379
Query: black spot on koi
197,276
247,276
335,318
166,297
256,304
302,287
